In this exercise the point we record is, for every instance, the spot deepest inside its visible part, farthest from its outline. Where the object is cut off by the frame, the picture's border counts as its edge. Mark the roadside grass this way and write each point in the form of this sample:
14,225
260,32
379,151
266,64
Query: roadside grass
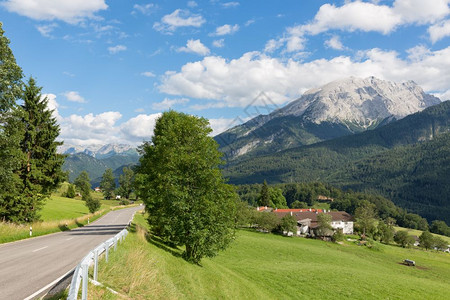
266,266
58,214
419,232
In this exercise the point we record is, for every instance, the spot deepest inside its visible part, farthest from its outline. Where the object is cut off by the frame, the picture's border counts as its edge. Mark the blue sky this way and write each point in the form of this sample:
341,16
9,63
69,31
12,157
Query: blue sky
110,67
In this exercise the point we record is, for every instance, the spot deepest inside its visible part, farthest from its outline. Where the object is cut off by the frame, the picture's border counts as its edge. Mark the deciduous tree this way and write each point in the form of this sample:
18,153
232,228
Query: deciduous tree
183,188
108,184
126,182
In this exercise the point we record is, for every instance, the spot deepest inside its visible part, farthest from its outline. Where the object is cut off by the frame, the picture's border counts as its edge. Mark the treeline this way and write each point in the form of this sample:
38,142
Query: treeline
304,195
30,168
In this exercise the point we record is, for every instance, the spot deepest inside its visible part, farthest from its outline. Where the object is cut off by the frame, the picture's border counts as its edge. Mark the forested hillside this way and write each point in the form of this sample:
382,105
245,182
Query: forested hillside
418,161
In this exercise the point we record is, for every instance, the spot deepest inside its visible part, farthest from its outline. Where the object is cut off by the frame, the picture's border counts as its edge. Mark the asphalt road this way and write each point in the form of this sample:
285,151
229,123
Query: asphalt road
29,265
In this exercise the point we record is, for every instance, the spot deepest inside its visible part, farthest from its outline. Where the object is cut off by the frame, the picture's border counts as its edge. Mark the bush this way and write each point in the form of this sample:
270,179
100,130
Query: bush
70,193
338,236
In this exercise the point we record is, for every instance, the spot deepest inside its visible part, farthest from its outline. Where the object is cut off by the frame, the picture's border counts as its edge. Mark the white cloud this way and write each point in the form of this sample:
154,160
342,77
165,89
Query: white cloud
146,9
220,125
74,96
168,103
194,46
192,4
273,45
139,110
219,43
117,49
335,43
139,128
230,4
236,82
439,31
249,22
226,29
179,18
148,74
47,29
70,11
368,16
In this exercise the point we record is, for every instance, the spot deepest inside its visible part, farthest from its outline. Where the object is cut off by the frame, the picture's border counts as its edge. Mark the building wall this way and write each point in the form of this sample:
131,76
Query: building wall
347,227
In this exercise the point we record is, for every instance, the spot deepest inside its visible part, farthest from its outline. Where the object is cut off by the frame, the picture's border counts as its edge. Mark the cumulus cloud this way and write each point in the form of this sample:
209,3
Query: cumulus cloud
335,43
194,46
116,49
238,82
192,4
367,16
70,11
439,31
169,103
139,128
226,29
179,18
148,74
74,96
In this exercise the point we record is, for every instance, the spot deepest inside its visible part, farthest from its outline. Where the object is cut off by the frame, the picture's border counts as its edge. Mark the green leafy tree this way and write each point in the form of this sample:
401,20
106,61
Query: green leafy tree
264,195
40,170
426,240
92,204
108,184
440,227
404,239
324,225
288,224
299,204
70,193
126,182
83,183
386,232
338,235
267,221
277,199
365,216
183,188
440,243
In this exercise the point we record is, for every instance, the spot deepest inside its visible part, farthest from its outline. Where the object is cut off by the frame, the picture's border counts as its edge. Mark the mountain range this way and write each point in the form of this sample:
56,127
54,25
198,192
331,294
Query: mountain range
336,109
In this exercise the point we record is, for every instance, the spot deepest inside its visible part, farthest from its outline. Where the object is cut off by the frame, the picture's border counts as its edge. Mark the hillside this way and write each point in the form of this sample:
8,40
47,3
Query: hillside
336,109
76,163
344,162
267,266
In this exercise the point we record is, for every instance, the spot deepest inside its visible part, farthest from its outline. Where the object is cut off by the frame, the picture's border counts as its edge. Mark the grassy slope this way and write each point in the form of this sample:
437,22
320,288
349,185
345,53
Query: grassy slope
264,266
419,232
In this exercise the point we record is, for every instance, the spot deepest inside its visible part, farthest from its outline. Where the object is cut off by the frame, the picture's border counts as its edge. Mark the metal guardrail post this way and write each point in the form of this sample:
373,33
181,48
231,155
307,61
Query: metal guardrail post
85,279
107,251
95,264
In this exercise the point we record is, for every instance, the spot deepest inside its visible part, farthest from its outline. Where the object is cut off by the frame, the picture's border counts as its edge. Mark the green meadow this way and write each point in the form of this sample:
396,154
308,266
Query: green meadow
267,266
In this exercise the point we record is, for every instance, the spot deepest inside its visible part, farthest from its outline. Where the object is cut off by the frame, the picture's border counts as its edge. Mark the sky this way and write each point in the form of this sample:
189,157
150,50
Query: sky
109,68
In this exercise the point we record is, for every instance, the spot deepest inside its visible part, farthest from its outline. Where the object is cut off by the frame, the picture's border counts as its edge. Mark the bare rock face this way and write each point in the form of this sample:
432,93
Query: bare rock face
354,104
359,101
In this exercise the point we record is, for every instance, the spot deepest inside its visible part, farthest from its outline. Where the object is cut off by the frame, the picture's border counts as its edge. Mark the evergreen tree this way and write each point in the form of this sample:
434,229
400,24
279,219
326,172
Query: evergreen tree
264,196
108,184
183,189
40,170
126,182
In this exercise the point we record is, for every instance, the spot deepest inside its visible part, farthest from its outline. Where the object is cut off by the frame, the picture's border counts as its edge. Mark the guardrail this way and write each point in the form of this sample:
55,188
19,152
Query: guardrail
80,274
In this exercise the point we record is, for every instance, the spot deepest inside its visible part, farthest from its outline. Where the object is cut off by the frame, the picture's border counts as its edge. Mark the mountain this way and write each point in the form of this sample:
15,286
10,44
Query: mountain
336,109
98,151
96,159
406,160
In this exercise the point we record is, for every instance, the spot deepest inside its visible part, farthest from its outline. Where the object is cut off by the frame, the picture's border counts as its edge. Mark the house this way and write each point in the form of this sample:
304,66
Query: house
98,189
322,198
307,219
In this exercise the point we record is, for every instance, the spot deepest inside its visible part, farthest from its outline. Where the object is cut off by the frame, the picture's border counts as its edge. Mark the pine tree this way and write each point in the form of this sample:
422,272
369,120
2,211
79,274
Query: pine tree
264,196
40,172
108,184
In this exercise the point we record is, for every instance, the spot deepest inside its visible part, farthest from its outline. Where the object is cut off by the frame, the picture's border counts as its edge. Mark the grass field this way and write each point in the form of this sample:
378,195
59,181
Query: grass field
266,266
419,232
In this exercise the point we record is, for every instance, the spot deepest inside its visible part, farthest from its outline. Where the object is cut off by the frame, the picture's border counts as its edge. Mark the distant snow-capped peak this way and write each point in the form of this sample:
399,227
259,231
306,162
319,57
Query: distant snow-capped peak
96,150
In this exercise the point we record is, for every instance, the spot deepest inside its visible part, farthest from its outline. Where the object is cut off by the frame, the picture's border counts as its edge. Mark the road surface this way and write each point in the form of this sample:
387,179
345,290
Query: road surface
29,265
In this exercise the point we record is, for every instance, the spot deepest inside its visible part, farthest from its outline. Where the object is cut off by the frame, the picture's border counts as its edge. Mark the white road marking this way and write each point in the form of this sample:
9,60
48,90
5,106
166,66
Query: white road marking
47,286
39,249
69,239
